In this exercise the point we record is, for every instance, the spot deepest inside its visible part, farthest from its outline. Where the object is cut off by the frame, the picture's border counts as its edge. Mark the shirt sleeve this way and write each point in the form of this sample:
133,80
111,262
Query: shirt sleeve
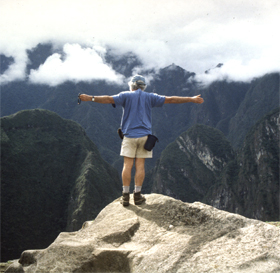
119,99
157,100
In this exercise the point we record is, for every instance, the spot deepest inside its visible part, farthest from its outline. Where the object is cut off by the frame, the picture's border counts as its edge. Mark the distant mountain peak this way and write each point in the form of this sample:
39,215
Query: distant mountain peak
177,69
173,66
219,65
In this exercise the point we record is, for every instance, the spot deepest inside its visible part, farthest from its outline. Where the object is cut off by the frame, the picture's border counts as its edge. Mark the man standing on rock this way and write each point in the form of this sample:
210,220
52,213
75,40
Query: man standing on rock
136,126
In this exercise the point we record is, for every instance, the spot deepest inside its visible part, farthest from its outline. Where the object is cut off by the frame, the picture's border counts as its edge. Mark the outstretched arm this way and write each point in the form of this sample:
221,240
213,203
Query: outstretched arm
177,99
99,99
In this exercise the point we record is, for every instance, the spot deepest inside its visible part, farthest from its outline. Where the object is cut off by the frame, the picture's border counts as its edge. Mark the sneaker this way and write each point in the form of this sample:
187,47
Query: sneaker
138,198
125,199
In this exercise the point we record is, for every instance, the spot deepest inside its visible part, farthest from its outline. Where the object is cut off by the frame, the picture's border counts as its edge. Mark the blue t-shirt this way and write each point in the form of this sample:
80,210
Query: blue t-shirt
137,111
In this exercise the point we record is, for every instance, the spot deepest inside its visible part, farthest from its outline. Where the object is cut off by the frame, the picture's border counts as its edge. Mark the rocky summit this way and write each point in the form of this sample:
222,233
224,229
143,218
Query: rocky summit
162,235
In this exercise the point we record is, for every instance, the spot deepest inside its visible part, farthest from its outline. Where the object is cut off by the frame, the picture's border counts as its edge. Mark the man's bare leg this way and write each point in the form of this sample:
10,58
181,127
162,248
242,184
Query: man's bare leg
126,172
139,171
126,178
139,179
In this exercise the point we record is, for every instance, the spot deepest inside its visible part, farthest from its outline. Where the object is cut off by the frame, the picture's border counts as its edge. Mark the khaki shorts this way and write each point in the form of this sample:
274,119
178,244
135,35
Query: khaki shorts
134,148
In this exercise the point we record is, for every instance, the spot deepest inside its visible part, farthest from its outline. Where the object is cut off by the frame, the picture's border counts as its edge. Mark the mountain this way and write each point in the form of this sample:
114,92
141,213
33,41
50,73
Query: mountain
258,178
38,56
201,165
189,166
123,64
52,179
250,183
222,101
262,97
232,107
99,121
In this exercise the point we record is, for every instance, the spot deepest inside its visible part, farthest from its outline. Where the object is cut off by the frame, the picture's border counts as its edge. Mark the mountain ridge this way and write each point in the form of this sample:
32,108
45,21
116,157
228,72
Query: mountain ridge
201,165
222,108
52,178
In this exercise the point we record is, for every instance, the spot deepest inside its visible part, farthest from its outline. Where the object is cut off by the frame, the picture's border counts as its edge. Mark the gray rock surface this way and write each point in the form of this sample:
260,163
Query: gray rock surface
163,235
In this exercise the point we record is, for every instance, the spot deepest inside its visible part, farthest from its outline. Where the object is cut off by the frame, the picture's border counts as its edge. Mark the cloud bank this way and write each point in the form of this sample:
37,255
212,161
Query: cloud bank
80,64
196,35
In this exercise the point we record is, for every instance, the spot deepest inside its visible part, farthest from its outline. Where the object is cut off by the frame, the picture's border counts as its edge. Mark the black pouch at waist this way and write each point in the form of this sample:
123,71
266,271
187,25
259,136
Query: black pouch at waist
150,143
120,133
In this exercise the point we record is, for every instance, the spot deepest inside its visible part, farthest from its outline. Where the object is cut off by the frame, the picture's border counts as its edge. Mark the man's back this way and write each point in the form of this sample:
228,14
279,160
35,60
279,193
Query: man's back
137,115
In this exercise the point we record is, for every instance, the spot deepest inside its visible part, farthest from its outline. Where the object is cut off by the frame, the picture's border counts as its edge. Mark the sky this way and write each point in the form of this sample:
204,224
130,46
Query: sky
193,34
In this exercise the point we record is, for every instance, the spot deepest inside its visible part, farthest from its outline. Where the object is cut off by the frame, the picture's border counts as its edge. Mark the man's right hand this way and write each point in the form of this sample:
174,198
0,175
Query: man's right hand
84,97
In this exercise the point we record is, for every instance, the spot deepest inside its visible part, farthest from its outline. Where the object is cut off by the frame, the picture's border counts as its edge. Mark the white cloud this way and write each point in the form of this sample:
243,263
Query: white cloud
79,64
194,34
16,70
241,70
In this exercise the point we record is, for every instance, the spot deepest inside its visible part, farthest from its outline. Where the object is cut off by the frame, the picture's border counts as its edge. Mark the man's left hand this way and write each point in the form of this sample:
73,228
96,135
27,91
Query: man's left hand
198,99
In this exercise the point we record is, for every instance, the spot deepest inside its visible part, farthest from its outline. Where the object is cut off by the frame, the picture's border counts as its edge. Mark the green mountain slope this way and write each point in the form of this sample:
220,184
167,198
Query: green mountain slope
258,178
190,165
261,98
200,165
52,179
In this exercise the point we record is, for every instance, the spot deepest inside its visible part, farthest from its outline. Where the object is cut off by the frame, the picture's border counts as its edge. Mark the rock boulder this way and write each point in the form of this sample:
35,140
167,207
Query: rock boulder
162,235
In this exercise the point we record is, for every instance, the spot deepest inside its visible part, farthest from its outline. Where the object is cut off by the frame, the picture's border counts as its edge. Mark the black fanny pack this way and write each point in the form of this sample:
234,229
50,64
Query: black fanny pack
151,142
120,133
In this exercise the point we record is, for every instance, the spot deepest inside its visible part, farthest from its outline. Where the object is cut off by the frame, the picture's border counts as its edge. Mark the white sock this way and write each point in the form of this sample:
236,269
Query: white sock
137,188
125,189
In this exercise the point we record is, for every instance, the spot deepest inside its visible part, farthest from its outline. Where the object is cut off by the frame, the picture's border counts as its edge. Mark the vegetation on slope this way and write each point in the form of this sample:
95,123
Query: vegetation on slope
45,179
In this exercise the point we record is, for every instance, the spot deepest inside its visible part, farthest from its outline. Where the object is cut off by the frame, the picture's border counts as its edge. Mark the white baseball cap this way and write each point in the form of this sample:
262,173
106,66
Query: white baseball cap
138,78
